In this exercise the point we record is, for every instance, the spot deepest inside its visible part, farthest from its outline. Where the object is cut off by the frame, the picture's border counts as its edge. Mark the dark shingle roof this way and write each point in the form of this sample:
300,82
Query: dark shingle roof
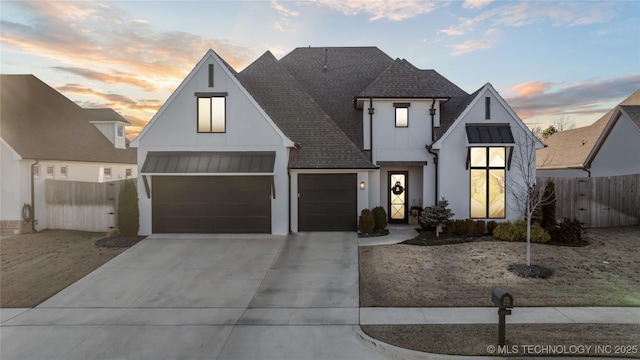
349,70
40,123
633,111
403,80
322,143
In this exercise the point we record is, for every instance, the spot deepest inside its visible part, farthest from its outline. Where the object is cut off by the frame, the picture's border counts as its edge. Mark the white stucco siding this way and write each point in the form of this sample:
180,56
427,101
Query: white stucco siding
391,143
176,124
247,128
620,151
454,177
10,185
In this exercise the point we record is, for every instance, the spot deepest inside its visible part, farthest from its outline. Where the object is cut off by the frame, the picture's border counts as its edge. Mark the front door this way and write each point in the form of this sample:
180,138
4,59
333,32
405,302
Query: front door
398,197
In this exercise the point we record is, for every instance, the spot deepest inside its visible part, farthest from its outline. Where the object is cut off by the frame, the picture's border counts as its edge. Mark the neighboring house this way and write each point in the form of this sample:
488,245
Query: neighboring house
306,142
44,136
608,147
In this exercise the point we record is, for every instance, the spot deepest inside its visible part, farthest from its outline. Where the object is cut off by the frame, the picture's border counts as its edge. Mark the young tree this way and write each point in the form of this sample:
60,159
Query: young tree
526,190
548,132
436,215
563,123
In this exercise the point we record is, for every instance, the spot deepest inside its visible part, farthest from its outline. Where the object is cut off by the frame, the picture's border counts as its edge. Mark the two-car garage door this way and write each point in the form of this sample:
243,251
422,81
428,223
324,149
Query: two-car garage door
211,204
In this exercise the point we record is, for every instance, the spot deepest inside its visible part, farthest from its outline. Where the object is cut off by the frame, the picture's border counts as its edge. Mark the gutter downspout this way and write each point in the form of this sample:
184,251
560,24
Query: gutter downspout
435,161
33,197
587,170
371,110
432,112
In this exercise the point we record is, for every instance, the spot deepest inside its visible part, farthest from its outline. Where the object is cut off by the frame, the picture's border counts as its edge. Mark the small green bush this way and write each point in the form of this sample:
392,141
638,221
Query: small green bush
568,232
379,218
128,212
366,222
517,231
491,225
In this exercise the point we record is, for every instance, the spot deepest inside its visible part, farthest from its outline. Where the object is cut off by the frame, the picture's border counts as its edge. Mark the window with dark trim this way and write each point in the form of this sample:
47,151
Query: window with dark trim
211,114
402,114
63,171
487,185
50,170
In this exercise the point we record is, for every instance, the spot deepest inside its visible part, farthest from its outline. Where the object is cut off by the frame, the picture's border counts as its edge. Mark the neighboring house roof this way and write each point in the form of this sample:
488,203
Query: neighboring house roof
320,143
573,149
40,123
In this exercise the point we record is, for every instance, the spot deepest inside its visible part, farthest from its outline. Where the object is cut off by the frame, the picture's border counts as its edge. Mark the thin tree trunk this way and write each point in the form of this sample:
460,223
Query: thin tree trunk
528,240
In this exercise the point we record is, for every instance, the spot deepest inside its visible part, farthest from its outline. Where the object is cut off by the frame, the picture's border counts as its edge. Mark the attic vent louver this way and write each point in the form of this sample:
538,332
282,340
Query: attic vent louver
325,60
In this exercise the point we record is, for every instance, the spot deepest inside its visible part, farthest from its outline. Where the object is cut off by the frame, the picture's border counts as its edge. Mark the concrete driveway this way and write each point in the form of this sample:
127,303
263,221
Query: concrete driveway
204,297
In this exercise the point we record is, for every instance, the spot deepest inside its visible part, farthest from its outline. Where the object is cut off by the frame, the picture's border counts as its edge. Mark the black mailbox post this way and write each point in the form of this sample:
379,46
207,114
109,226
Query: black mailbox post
504,301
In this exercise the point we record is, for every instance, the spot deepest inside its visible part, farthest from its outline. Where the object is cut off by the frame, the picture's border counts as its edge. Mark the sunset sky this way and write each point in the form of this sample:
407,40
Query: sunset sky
547,58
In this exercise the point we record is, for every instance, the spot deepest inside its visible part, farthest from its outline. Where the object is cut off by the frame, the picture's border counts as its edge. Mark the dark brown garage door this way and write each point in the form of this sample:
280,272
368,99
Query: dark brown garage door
327,202
211,204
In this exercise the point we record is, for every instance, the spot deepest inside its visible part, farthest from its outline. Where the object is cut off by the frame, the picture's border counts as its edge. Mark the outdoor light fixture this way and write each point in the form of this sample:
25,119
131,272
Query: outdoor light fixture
432,112
362,185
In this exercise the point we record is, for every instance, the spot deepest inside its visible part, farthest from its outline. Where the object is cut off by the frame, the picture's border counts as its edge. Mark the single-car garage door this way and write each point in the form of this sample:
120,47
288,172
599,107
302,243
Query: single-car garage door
211,204
327,202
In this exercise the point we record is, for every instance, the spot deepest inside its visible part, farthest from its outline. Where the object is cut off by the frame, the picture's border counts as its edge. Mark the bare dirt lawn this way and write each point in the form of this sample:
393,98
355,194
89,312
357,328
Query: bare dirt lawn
604,273
34,267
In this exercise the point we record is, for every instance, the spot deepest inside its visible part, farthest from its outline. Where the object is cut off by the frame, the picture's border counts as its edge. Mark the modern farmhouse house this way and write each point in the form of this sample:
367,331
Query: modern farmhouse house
53,139
306,142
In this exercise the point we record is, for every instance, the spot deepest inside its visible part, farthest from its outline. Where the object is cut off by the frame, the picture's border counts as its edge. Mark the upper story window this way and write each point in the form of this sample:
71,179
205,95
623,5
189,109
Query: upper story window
36,170
50,170
107,172
402,114
487,108
63,171
212,112
120,130
127,173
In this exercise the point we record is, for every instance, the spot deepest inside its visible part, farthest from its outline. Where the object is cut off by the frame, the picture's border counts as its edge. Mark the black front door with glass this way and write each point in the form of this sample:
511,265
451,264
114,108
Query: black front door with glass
398,197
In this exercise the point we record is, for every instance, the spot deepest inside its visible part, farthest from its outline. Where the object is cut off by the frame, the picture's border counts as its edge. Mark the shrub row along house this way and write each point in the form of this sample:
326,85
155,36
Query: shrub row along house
305,142
45,136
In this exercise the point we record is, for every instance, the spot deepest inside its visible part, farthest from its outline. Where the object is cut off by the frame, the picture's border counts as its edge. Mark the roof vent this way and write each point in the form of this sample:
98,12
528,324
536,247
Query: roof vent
325,61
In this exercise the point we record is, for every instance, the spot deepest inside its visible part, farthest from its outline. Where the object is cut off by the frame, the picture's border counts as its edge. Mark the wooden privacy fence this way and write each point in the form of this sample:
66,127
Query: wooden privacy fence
85,206
599,201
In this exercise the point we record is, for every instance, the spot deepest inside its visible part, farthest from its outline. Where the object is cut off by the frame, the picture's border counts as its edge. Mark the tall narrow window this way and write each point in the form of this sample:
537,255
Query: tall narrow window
211,114
36,170
50,170
63,171
487,182
402,114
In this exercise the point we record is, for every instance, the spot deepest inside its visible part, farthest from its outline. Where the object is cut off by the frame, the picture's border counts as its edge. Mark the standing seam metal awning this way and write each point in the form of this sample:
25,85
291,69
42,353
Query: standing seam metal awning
209,163
489,134
497,134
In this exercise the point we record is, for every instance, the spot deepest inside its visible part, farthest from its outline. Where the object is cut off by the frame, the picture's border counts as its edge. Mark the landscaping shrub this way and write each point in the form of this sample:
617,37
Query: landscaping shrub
366,222
470,226
128,212
491,225
568,232
457,226
480,227
379,218
517,231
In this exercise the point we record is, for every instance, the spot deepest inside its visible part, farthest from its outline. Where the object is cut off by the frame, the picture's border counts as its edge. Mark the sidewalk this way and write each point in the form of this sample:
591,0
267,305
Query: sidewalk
488,315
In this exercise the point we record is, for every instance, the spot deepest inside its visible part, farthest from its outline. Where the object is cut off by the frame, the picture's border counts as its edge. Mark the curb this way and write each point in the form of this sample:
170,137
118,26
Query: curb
398,353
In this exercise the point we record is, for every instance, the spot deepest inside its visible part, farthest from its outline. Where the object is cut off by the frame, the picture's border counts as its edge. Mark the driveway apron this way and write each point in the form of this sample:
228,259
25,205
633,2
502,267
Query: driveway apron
203,297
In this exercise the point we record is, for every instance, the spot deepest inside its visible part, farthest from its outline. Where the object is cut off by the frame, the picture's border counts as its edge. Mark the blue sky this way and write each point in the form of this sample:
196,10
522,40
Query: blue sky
549,59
